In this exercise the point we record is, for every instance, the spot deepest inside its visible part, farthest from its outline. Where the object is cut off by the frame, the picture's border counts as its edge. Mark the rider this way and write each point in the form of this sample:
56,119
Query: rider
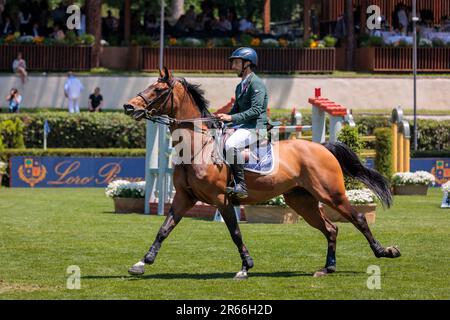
248,113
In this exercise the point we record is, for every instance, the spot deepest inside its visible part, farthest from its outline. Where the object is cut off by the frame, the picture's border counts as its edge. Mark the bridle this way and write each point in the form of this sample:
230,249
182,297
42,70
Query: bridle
154,115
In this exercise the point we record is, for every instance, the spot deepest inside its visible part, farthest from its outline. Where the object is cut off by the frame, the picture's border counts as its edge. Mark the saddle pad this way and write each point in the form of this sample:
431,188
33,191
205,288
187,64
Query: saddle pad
265,163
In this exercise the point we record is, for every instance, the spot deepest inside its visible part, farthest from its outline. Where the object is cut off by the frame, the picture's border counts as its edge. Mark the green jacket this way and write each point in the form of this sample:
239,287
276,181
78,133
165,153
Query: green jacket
249,109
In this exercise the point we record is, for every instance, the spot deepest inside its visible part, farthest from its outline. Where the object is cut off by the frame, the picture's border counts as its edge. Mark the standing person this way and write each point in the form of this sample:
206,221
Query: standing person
95,101
19,66
14,100
72,90
249,112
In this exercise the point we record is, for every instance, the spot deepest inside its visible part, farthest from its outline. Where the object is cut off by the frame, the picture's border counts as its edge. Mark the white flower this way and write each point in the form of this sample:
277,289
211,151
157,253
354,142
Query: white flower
270,42
418,177
3,166
446,187
125,189
363,196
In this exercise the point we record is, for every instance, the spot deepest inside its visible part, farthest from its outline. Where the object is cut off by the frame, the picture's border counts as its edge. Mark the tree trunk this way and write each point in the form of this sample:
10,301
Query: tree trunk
177,9
94,27
350,39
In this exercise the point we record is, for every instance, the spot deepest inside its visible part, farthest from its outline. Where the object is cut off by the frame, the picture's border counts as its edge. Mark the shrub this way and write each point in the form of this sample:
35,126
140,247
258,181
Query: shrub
11,132
125,189
408,178
383,149
84,130
350,136
330,42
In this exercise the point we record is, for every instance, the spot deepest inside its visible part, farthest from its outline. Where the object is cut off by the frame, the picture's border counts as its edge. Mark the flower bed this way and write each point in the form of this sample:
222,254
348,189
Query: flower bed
273,211
363,200
412,183
128,196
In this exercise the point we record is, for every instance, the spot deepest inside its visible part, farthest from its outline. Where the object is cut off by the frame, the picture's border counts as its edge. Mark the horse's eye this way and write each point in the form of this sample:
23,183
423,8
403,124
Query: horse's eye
158,89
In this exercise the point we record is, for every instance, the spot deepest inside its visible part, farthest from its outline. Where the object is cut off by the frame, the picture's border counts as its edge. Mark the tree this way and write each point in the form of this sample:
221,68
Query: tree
177,9
350,39
94,27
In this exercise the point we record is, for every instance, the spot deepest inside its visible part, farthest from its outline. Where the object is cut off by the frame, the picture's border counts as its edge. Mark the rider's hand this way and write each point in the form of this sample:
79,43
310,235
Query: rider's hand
224,117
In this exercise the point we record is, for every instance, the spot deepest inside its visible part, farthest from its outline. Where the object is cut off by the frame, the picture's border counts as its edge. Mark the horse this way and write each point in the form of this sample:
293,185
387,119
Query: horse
307,173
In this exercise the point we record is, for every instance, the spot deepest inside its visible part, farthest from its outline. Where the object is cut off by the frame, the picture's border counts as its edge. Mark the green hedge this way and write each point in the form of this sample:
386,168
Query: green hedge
383,149
84,130
351,137
116,130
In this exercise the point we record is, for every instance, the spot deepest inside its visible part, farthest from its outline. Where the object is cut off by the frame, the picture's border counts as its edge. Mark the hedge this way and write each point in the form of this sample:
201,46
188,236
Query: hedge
383,150
83,130
351,137
116,130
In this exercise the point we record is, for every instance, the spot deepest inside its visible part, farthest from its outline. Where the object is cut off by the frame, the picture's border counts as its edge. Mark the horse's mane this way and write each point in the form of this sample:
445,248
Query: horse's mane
198,95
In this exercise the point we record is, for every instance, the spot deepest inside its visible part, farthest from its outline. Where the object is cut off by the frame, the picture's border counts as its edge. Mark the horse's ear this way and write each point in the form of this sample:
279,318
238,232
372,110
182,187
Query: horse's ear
168,74
161,75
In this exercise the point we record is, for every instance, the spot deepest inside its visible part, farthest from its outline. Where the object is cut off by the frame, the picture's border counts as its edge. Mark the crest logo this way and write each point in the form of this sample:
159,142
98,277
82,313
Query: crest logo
32,172
441,171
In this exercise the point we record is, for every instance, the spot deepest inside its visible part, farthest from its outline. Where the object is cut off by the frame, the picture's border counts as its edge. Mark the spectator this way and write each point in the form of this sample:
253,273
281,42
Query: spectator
36,31
246,25
224,24
95,101
43,15
402,19
72,90
24,20
190,18
58,33
14,99
150,24
180,28
59,14
7,27
19,66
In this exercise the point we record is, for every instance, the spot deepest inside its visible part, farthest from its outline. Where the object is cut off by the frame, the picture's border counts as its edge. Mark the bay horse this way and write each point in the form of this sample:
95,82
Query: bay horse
308,173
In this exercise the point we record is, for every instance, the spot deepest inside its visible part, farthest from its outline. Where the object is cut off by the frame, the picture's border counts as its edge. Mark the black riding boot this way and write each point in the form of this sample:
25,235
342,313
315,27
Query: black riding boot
240,188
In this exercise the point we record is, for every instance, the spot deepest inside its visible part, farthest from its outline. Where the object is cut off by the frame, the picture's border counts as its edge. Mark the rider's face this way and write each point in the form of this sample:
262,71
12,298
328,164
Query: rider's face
236,65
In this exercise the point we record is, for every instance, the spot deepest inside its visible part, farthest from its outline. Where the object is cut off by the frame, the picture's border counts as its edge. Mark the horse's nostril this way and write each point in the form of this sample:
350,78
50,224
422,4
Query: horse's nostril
129,109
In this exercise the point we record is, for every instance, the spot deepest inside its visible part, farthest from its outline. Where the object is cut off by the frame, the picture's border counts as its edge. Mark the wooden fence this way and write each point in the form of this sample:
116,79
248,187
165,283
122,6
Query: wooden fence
272,60
400,59
47,58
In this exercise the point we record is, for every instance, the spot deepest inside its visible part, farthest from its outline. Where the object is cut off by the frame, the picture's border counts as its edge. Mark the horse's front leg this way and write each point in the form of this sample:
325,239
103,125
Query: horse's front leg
181,203
228,214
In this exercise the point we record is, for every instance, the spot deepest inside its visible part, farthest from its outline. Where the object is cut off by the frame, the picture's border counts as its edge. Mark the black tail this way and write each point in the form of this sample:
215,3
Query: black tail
352,167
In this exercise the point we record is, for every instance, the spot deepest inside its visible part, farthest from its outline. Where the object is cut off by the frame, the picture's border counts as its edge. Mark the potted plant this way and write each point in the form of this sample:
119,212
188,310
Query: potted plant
273,211
3,166
363,200
412,183
446,199
128,196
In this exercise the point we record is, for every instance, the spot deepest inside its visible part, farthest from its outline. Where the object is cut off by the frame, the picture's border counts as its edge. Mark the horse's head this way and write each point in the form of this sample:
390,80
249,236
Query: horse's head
157,99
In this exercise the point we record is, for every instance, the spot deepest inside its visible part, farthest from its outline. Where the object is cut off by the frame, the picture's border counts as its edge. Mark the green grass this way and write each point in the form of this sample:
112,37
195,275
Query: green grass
43,231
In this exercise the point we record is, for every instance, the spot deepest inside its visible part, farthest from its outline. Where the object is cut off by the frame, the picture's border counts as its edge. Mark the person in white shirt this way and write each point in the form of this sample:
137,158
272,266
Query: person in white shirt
403,19
72,90
19,66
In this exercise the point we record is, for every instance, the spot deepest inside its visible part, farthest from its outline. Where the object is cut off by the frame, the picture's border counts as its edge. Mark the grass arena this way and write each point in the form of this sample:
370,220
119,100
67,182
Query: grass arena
193,150
198,260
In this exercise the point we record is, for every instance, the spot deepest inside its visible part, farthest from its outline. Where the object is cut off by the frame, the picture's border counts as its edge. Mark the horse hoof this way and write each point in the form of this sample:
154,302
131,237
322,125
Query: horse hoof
137,270
241,275
324,272
393,252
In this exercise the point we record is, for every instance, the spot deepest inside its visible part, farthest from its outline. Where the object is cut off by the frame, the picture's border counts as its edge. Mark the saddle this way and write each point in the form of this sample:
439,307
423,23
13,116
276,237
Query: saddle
258,156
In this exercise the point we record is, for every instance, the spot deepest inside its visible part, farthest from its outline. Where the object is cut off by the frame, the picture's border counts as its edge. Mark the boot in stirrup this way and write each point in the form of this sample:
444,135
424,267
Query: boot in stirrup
240,188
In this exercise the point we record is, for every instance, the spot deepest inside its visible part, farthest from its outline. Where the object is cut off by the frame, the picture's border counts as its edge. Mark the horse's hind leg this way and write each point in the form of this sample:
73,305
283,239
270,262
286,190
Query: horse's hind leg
308,207
335,197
